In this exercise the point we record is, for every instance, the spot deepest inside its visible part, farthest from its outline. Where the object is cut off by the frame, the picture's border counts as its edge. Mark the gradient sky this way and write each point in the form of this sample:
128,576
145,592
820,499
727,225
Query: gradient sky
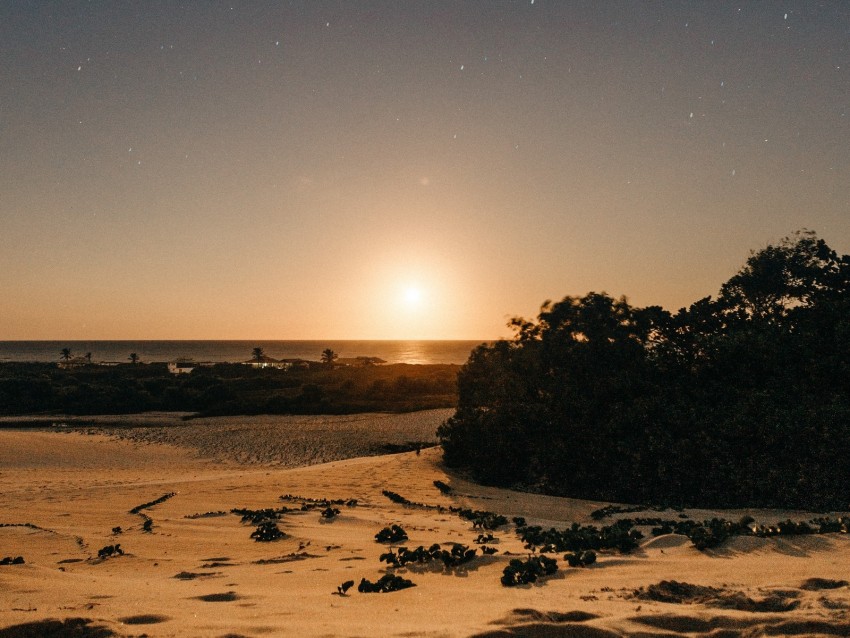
402,169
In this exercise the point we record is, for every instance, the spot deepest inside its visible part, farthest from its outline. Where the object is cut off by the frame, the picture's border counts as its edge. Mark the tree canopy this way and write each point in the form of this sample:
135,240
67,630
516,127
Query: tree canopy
739,400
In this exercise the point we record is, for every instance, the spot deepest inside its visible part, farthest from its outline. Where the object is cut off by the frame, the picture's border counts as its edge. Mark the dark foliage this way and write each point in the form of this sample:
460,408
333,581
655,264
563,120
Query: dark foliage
385,584
620,536
712,533
480,519
522,572
324,504
445,489
344,587
395,497
392,534
330,513
110,550
157,501
451,558
257,517
580,559
9,560
483,520
223,389
267,532
609,510
215,514
742,400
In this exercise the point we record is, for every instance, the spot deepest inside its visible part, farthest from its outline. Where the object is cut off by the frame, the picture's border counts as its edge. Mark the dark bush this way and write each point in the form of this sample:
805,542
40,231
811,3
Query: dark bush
742,400
385,584
519,572
392,534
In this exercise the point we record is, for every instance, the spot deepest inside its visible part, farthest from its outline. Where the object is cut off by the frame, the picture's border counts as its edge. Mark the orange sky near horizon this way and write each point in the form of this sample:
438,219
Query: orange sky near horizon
294,170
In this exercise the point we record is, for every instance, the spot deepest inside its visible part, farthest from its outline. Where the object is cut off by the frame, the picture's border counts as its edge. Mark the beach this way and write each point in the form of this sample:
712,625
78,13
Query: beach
197,571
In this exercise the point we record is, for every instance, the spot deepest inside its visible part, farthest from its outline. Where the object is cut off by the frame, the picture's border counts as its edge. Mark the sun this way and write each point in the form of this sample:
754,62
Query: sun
412,296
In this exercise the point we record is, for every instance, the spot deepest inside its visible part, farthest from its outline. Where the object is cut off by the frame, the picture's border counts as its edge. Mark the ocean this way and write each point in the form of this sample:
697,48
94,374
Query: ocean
415,352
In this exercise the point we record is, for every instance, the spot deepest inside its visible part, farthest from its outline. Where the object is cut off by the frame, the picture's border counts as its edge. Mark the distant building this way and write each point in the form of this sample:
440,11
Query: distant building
280,364
264,362
185,366
295,364
181,367
74,362
358,362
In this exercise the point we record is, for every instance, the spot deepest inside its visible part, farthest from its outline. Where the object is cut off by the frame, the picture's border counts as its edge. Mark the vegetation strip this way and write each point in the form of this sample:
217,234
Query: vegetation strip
145,506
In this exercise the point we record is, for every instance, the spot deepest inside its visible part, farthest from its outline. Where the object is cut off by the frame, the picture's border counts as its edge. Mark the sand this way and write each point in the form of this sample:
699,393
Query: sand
199,573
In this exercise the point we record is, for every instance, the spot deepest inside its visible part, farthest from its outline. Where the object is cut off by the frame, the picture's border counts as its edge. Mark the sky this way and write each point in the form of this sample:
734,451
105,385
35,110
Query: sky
403,170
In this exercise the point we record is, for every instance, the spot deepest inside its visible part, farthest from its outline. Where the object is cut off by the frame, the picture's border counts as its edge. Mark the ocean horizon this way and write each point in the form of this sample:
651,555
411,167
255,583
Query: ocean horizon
233,351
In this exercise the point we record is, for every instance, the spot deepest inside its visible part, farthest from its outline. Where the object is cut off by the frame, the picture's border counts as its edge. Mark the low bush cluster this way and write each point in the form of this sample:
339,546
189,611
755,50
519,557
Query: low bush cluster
621,536
522,572
443,487
714,532
223,389
267,532
318,503
256,517
480,519
110,550
580,559
392,534
9,560
385,584
451,558
150,504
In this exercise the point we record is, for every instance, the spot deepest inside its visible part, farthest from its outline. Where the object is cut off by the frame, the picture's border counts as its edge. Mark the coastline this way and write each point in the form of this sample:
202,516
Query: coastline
197,572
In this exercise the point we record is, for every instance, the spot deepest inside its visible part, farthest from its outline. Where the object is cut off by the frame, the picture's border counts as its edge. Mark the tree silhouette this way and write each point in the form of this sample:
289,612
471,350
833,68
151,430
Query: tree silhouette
88,357
65,353
258,354
328,357
134,358
742,400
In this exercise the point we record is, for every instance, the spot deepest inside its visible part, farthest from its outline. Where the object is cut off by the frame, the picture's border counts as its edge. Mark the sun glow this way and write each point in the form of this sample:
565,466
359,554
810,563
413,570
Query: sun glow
413,296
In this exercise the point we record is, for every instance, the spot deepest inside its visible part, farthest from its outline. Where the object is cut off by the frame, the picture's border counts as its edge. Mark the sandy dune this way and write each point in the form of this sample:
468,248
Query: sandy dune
199,573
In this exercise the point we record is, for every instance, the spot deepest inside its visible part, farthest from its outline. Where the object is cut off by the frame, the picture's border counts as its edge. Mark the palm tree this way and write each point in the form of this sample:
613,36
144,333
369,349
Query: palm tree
134,358
258,354
65,353
328,357
88,357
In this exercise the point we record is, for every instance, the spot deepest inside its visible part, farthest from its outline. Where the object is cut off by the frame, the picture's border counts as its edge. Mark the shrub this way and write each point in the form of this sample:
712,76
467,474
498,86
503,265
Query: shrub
580,559
519,572
267,532
385,584
392,534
